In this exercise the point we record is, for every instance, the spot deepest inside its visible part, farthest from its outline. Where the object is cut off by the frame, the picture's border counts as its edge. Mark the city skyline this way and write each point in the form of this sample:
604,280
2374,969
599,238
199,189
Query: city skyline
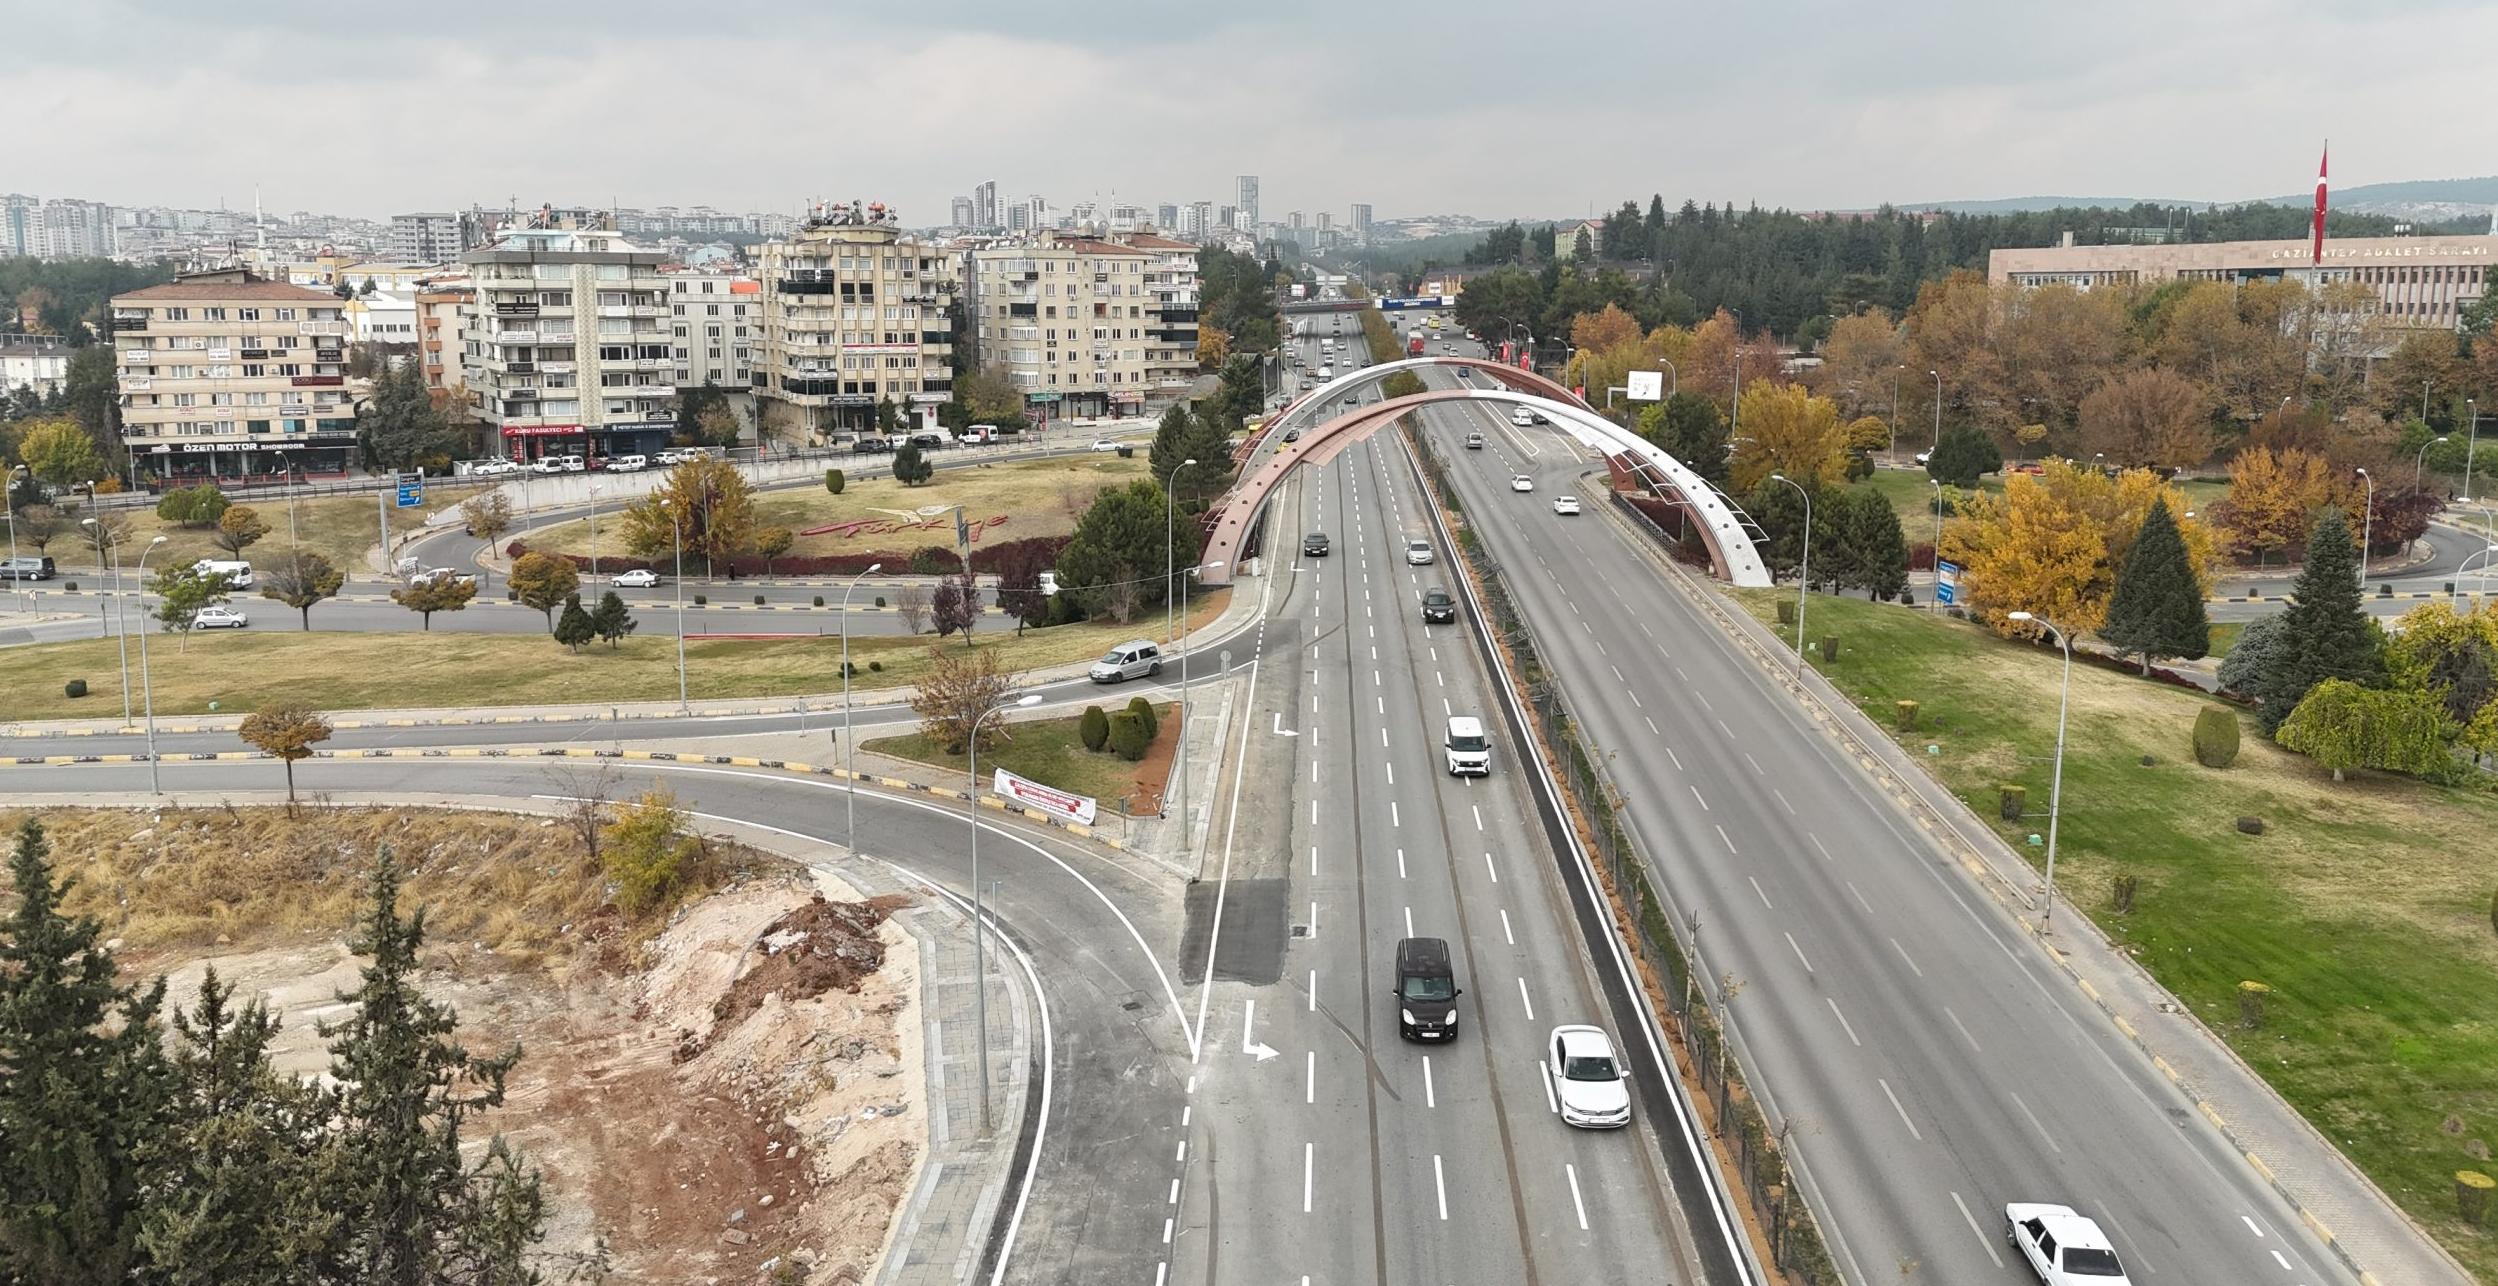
1884,111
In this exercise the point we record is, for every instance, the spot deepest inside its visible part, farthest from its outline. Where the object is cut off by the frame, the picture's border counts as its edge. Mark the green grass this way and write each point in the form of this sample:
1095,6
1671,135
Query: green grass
340,528
2365,906
1035,497
238,670
2225,636
1046,750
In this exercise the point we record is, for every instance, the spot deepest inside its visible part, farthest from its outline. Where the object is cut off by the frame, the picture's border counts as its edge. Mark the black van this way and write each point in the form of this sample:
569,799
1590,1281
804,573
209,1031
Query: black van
26,568
1426,990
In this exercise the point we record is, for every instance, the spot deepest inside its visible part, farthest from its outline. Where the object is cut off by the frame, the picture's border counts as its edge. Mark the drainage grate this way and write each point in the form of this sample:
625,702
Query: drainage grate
1300,930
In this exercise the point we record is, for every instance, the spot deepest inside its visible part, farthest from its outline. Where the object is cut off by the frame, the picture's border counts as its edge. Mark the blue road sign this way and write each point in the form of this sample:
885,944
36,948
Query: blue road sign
1946,581
411,490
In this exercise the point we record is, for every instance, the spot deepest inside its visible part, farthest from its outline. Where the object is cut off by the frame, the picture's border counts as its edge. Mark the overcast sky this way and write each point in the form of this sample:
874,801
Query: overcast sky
1493,109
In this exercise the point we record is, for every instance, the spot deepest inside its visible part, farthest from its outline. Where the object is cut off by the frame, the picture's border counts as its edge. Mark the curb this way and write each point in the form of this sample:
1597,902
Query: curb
2005,890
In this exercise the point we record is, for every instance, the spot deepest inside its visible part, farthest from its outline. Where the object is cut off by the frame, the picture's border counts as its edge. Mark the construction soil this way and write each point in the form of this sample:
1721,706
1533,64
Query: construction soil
736,1097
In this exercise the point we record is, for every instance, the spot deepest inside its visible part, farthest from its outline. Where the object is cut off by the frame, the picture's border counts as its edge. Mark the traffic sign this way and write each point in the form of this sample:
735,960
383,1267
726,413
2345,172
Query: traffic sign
411,490
1946,581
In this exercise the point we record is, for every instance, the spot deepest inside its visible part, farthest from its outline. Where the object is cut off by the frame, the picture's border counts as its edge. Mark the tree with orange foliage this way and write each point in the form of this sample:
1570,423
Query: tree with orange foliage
2148,419
2051,543
2273,498
1604,331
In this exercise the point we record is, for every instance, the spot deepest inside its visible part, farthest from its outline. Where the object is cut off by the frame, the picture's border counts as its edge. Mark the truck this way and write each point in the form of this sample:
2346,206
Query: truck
1413,345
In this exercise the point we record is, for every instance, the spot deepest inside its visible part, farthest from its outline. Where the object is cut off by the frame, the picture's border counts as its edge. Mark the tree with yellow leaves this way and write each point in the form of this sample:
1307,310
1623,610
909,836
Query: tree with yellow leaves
2051,543
1788,430
1605,330
2273,498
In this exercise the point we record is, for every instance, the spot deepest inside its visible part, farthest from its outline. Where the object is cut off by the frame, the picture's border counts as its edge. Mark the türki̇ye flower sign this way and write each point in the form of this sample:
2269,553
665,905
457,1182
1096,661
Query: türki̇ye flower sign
857,527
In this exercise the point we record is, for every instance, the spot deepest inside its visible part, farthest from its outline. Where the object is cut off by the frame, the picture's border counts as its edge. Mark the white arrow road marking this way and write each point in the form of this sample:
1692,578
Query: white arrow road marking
1248,1021
1281,730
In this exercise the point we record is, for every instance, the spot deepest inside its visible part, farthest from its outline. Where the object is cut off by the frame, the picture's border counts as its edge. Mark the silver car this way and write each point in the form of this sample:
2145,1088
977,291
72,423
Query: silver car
1134,659
1417,553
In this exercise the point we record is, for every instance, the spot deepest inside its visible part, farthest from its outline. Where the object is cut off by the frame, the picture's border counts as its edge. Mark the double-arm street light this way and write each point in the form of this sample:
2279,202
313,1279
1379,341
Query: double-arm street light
1170,538
1937,444
979,926
106,539
2484,554
2367,527
676,534
147,690
849,762
8,504
1804,569
2055,791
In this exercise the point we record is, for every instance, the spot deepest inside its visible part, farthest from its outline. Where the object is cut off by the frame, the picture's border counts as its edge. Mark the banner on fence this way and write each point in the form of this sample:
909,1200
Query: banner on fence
1057,803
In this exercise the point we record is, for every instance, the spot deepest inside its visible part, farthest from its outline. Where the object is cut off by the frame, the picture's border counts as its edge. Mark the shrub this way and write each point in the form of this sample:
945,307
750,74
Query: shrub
648,854
880,600
834,481
701,600
876,666
2215,737
2012,802
1094,728
75,688
1128,736
2250,825
1906,716
69,587
2122,894
1786,611
934,560
819,600
759,601
1829,648
1144,712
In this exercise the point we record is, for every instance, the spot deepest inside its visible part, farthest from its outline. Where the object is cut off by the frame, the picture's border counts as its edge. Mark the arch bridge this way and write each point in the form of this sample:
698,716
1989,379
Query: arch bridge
1728,533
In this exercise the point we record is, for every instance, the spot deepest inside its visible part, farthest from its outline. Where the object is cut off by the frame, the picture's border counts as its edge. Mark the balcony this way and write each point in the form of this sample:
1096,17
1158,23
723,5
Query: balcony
502,309
130,323
792,286
338,328
1023,310
317,381
522,368
936,337
515,337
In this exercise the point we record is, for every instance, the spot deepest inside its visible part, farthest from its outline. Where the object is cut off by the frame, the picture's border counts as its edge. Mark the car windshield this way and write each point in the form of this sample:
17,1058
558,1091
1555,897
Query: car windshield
1589,1067
1466,743
2089,1261
1423,988
1114,658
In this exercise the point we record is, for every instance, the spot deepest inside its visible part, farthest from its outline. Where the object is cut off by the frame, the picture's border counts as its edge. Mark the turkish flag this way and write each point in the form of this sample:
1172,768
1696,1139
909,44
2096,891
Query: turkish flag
2316,250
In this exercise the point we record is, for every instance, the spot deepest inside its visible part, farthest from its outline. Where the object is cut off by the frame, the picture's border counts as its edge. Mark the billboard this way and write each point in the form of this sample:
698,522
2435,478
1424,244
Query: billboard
1300,291
1032,794
1646,386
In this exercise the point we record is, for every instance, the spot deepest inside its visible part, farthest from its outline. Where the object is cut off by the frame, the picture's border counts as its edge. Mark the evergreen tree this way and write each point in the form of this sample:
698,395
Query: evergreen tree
1170,441
83,1087
910,465
2325,633
391,1169
611,621
232,1197
1963,456
574,627
401,428
2157,609
1877,548
1691,429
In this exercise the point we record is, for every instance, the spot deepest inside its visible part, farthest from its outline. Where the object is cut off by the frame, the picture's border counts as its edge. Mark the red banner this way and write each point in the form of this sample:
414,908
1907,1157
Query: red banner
2316,251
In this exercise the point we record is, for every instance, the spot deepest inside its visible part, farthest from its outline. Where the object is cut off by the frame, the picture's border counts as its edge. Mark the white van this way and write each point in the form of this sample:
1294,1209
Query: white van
238,574
1469,751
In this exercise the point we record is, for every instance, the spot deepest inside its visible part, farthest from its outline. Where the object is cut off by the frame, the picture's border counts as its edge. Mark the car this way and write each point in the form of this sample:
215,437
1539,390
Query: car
1447,347
627,464
930,441
638,578
1438,608
1567,506
438,575
1426,990
1292,435
1474,441
493,468
871,444
1104,444
1521,482
2061,1246
1924,456
213,617
1521,417
1590,1088
1134,659
1418,553
1314,545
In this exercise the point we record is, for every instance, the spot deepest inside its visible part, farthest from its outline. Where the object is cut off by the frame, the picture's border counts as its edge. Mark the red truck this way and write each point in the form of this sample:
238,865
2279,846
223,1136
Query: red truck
1413,346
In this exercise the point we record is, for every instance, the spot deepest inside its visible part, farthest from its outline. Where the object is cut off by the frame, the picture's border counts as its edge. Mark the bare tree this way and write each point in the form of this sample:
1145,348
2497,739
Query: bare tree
958,688
584,793
957,605
1119,597
911,602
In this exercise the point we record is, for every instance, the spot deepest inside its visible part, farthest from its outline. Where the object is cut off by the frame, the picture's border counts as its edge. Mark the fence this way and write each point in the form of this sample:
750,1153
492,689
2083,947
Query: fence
1696,1003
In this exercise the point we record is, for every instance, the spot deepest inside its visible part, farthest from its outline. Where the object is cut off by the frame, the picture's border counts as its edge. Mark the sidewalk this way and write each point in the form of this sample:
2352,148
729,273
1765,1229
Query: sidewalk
1238,615
2340,1205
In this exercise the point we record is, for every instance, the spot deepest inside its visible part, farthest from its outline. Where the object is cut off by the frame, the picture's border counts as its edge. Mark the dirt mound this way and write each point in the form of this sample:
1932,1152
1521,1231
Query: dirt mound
820,947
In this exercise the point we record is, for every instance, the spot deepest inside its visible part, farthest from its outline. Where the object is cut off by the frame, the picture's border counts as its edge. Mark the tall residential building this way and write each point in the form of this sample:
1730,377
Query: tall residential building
1361,220
1326,221
960,216
441,312
1248,203
74,229
424,238
1167,217
1170,313
1019,217
854,311
223,373
1227,217
20,226
1065,319
1036,211
984,211
716,321
567,347
1299,225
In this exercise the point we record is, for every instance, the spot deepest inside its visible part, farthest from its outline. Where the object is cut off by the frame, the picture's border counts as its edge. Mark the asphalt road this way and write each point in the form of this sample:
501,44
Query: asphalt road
1934,1066
1334,1150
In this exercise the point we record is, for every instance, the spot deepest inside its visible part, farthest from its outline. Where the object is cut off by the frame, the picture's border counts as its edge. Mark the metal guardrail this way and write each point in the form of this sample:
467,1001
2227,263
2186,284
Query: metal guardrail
1697,1003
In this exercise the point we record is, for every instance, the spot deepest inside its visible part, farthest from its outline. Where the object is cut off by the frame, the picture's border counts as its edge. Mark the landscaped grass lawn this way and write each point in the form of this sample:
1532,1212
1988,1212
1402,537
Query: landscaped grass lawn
239,669
342,529
2225,636
1048,751
1035,497
2365,906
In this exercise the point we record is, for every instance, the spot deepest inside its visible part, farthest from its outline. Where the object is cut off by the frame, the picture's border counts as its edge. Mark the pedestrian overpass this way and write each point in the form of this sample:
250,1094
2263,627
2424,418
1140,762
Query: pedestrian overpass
1729,534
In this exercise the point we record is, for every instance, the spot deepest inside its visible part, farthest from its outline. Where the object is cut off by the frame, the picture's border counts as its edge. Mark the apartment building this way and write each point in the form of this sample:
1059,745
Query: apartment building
1065,319
38,362
854,311
224,374
425,237
1170,314
567,350
716,324
441,312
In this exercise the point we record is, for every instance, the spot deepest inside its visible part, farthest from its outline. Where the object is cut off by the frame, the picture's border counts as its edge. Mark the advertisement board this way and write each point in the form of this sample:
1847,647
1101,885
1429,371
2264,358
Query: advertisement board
1032,794
1646,386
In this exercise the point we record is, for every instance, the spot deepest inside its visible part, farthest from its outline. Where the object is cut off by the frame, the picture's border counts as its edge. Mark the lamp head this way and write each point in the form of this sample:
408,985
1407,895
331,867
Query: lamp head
1028,699
154,543
872,569
2019,616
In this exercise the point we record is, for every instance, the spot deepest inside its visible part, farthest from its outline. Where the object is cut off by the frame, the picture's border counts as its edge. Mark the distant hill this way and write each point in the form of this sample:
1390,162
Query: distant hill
2034,204
2426,200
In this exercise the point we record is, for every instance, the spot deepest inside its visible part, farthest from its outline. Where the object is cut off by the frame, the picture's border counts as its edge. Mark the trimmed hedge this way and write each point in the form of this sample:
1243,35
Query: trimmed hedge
1144,712
2215,737
1094,727
1128,736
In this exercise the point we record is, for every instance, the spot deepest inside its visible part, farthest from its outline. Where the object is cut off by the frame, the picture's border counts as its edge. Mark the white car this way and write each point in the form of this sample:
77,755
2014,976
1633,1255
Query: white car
1521,482
1417,553
1522,417
1590,1087
492,468
2061,1246
638,578
219,618
627,464
1568,506
1104,444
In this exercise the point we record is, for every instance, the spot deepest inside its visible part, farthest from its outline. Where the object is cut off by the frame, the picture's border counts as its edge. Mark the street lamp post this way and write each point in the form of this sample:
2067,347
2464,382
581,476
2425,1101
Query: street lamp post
980,927
1170,538
1804,569
676,534
1673,377
2055,790
1934,602
1897,369
849,762
2367,520
1179,753
2484,554
105,536
2472,445
1937,444
8,504
594,529
154,785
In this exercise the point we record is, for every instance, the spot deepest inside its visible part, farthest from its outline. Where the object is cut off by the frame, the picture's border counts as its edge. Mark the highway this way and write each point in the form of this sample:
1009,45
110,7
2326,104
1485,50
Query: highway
1933,1064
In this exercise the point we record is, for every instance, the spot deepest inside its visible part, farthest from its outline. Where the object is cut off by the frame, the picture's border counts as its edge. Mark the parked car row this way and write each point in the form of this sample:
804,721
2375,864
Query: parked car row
575,462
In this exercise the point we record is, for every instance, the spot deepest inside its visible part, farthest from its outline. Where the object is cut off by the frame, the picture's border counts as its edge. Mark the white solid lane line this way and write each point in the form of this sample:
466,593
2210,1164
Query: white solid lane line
1429,1098
2052,1144
1844,1024
1913,1131
1308,1158
1551,1102
1506,935
1983,1239
1522,992
1794,946
1576,1202
1439,1184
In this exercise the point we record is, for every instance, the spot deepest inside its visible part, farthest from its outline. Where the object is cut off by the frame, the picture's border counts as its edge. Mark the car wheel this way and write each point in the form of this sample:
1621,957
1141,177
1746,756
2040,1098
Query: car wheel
1154,671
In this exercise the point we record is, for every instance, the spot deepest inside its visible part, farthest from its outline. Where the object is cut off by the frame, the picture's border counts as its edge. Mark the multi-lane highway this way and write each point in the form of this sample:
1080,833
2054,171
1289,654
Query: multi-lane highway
1935,1067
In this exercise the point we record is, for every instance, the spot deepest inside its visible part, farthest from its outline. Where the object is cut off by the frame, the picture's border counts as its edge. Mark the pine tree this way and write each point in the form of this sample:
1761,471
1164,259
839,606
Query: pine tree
611,620
391,1166
232,1195
83,1087
1962,457
573,628
1170,441
1878,548
2325,633
2157,609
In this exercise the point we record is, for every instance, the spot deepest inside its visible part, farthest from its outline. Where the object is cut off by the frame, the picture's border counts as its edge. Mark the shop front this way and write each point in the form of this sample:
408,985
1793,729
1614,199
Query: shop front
526,443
